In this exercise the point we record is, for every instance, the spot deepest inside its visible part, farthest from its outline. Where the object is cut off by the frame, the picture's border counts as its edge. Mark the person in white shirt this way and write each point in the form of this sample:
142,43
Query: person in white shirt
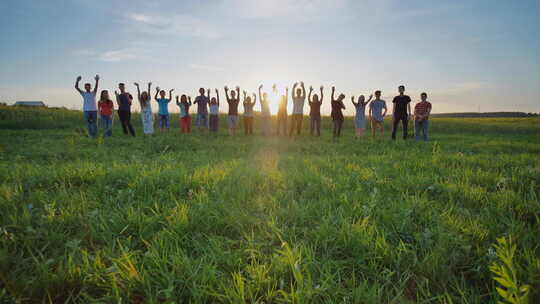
89,104
298,108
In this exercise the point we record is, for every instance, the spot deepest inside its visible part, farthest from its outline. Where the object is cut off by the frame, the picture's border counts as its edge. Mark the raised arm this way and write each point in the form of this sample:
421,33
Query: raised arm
149,88
322,95
369,100
303,89
170,94
177,101
254,99
157,92
287,94
97,83
244,93
260,95
238,92
77,84
189,100
333,91
352,99
227,93
217,96
294,88
309,96
138,90
208,94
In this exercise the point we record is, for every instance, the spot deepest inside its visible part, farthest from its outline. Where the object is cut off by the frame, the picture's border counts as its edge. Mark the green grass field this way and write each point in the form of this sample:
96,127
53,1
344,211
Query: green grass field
195,219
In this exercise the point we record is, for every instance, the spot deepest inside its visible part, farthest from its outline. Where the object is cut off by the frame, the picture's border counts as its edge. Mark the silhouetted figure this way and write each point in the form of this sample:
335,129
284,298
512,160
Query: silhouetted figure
266,122
147,116
282,114
124,100
298,108
401,112
337,113
422,110
233,102
376,114
360,118
315,111
89,104
248,113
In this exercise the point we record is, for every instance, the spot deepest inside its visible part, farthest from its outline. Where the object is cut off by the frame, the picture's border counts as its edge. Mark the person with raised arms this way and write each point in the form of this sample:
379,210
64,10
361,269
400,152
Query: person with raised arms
248,113
376,114
185,118
163,110
106,108
337,113
422,110
214,112
360,117
298,108
233,102
315,111
266,121
401,111
202,109
124,99
89,104
282,113
145,102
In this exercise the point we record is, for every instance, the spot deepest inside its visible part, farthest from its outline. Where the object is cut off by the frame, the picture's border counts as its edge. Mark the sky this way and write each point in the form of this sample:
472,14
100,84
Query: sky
474,55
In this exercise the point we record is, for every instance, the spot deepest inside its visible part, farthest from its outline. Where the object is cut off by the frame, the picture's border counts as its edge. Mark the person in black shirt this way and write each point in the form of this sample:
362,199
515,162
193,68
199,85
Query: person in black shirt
401,111
124,100
337,114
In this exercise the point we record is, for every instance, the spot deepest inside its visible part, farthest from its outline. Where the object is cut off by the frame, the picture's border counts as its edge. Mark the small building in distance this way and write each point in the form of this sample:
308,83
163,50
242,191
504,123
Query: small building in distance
30,104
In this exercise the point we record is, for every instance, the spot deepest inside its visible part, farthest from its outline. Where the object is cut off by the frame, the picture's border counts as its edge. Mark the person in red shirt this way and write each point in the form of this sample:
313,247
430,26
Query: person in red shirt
421,117
106,107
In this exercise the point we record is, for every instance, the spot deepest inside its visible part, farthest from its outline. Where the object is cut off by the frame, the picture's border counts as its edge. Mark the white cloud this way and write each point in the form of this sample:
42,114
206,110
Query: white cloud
177,24
291,11
203,67
117,55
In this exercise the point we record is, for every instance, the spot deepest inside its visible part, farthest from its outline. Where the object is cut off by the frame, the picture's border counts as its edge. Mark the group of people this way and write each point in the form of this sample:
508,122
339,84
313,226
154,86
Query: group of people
208,110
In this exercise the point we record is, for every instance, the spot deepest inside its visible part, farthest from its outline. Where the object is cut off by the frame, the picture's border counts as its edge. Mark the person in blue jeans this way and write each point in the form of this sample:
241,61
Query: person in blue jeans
89,104
202,102
422,110
164,119
106,108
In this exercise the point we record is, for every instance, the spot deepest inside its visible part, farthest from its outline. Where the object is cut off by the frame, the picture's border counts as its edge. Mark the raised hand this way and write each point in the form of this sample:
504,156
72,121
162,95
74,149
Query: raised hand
333,88
150,83
260,87
237,88
295,84
226,88
301,83
170,91
322,88
157,89
352,98
79,78
370,96
136,84
311,88
96,78
244,92
217,92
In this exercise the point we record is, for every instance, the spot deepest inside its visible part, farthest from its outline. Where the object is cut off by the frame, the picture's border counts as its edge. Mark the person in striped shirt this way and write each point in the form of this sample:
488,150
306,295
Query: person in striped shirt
421,117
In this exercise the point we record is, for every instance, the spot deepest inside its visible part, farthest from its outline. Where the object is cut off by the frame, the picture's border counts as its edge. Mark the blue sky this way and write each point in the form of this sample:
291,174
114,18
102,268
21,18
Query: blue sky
468,55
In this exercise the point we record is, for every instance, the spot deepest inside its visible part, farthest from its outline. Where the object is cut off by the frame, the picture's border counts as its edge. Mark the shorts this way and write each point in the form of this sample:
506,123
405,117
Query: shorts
375,123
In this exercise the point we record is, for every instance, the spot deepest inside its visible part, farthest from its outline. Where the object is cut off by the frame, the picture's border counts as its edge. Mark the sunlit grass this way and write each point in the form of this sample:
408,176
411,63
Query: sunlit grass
188,218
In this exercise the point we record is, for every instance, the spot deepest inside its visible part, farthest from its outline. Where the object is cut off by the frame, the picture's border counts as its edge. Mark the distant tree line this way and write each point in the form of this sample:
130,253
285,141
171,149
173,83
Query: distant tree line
487,114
